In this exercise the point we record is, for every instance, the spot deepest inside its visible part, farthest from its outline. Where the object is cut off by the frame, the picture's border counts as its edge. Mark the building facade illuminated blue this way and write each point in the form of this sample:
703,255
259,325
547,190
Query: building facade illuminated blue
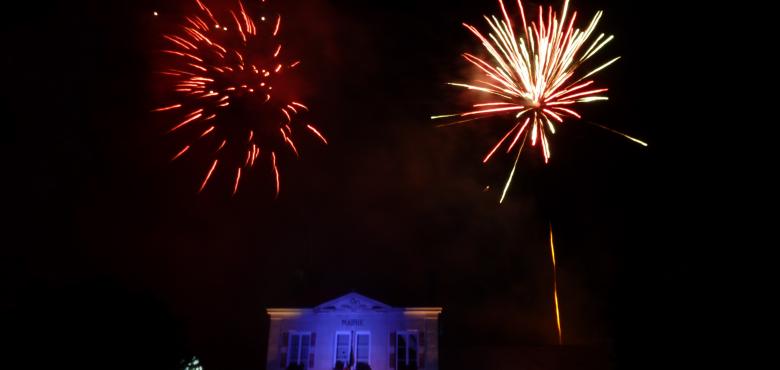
355,332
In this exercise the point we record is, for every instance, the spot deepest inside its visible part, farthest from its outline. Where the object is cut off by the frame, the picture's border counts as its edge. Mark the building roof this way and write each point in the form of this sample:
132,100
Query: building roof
352,302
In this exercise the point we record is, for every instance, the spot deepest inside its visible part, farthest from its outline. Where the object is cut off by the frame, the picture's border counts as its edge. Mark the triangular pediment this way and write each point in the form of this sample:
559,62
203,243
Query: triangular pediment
352,302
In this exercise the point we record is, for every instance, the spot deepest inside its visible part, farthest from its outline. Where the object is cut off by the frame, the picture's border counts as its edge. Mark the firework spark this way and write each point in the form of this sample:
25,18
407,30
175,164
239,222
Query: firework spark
534,76
222,68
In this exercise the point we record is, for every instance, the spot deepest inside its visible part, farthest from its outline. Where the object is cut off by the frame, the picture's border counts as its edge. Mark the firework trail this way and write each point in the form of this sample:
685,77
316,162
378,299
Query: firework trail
555,288
227,93
535,76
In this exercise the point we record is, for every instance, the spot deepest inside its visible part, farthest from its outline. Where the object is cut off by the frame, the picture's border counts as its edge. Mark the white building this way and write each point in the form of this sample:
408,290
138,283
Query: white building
356,330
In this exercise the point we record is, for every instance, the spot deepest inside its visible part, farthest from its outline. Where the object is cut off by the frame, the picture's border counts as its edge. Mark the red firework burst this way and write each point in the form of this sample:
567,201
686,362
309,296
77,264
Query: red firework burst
225,78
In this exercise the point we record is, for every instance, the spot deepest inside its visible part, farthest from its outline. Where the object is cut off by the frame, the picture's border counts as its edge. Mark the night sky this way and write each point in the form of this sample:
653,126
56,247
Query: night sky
112,259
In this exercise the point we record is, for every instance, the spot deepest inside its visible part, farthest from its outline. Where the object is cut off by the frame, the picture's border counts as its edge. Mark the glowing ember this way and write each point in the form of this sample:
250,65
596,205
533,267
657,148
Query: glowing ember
221,71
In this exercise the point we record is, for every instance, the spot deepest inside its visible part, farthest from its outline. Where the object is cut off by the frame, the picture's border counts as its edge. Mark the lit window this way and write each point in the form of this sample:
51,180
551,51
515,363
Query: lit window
406,350
342,349
352,350
363,347
299,349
